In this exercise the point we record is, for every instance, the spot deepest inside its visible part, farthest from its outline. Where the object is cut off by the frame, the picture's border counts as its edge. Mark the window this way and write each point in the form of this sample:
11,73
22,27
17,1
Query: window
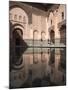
24,20
42,36
51,22
62,15
56,10
10,16
20,17
15,17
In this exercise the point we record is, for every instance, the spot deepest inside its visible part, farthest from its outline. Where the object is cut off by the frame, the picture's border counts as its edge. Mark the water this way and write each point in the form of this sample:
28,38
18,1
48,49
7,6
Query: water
41,67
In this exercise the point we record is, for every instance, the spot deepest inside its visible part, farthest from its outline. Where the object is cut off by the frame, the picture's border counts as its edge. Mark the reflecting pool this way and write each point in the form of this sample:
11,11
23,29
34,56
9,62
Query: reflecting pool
39,67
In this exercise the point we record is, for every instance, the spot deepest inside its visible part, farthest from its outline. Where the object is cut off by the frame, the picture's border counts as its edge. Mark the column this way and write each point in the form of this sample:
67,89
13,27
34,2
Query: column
47,32
57,32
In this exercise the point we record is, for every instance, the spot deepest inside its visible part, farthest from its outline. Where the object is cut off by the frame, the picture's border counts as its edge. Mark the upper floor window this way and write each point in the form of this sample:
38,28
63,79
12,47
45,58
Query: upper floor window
10,16
15,17
24,19
51,22
20,17
56,10
62,15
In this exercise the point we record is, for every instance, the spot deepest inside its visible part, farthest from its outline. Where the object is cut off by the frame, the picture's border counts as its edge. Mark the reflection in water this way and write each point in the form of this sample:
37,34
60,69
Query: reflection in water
42,67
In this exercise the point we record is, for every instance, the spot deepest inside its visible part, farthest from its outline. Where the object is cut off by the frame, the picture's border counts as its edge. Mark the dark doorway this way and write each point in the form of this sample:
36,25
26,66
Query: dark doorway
63,34
52,36
17,35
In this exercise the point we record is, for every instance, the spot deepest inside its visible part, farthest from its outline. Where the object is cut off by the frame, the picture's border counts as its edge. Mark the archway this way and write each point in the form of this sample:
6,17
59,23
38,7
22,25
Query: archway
52,36
17,40
19,21
35,35
63,34
42,36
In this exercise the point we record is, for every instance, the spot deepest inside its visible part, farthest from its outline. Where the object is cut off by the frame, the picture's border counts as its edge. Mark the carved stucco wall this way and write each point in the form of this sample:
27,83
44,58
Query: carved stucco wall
37,19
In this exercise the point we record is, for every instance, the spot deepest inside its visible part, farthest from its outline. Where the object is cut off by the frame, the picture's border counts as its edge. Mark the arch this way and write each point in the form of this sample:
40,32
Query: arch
19,6
52,36
20,17
15,27
35,31
15,17
24,7
17,40
17,36
63,34
35,35
43,35
18,30
17,11
13,6
17,24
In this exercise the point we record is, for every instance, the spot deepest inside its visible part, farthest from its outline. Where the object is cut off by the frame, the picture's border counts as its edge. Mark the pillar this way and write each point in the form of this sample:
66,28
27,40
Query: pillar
56,29
47,32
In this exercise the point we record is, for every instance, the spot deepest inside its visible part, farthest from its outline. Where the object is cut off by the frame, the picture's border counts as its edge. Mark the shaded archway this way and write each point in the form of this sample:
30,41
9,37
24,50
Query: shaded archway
17,33
17,36
63,34
18,46
52,36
